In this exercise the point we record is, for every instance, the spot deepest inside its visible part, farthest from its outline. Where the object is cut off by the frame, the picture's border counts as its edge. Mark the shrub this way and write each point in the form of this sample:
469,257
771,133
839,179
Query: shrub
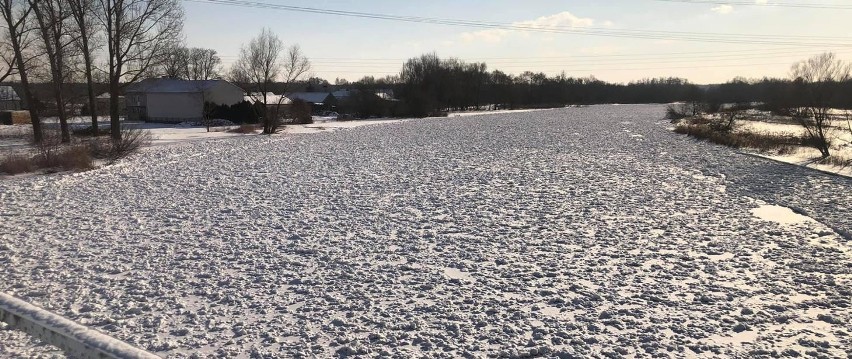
239,113
16,164
132,139
73,158
300,110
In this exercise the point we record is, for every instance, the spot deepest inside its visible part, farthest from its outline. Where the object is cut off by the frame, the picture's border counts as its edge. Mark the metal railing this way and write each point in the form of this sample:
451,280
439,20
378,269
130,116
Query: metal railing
76,340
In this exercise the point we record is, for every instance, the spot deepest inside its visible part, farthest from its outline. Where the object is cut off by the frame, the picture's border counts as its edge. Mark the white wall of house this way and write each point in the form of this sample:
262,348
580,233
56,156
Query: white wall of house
174,107
224,93
177,106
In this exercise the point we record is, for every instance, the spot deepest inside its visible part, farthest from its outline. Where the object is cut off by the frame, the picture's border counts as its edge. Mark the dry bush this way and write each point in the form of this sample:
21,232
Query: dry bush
244,129
69,158
105,148
132,139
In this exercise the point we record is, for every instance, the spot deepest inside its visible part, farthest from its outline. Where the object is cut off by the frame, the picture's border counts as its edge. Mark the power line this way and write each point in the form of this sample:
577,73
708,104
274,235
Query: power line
812,41
769,4
714,53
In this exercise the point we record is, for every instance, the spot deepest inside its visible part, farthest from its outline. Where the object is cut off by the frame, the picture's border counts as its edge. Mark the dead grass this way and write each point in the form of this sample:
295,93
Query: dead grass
53,156
782,144
836,161
72,158
75,158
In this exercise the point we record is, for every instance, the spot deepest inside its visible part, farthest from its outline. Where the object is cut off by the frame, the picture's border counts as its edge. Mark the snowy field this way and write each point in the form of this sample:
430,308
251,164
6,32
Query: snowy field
572,232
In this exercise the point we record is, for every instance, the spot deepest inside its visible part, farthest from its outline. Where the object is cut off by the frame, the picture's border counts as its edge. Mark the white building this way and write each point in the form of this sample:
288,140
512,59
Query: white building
174,100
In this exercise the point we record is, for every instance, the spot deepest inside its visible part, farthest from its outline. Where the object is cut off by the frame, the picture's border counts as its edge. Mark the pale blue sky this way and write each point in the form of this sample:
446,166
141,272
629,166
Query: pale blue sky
349,48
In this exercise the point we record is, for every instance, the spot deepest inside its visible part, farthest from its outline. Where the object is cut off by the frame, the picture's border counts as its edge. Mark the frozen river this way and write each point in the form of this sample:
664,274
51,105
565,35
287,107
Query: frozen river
572,232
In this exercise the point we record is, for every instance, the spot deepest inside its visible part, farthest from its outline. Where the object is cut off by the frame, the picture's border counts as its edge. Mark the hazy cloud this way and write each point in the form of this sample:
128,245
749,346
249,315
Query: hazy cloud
723,9
761,2
560,20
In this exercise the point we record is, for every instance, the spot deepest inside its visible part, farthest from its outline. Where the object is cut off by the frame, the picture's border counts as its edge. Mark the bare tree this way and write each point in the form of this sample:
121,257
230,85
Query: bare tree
138,34
7,60
203,64
261,64
82,12
16,14
58,39
816,83
175,61
730,114
195,63
296,65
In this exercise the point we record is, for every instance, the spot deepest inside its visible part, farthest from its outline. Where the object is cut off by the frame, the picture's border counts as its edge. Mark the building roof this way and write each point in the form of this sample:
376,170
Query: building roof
165,85
7,93
312,97
341,94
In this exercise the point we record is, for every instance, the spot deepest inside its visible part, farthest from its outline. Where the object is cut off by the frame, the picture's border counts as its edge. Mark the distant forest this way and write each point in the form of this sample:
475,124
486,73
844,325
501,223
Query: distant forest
429,85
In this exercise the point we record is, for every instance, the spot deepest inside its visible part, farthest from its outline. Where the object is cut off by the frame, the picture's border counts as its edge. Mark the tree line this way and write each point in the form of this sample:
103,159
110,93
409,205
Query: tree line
430,85
64,42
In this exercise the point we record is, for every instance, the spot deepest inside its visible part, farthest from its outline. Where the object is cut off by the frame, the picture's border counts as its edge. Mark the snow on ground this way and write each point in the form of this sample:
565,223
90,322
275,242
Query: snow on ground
807,157
14,138
586,232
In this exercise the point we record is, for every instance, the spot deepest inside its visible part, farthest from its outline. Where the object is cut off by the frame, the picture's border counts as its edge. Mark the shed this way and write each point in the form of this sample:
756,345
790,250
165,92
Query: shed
174,100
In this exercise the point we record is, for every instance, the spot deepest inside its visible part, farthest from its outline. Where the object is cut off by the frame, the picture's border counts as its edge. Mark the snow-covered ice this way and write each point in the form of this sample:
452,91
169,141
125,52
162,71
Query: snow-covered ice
586,231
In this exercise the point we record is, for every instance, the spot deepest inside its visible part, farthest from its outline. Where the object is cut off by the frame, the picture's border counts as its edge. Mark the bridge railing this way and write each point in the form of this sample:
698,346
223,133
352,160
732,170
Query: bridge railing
76,340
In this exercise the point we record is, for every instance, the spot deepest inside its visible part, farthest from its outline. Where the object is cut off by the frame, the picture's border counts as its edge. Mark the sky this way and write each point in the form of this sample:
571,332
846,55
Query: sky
703,41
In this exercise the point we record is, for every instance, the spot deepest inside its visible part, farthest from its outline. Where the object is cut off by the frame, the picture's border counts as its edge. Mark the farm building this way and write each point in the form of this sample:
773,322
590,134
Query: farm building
9,99
174,100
